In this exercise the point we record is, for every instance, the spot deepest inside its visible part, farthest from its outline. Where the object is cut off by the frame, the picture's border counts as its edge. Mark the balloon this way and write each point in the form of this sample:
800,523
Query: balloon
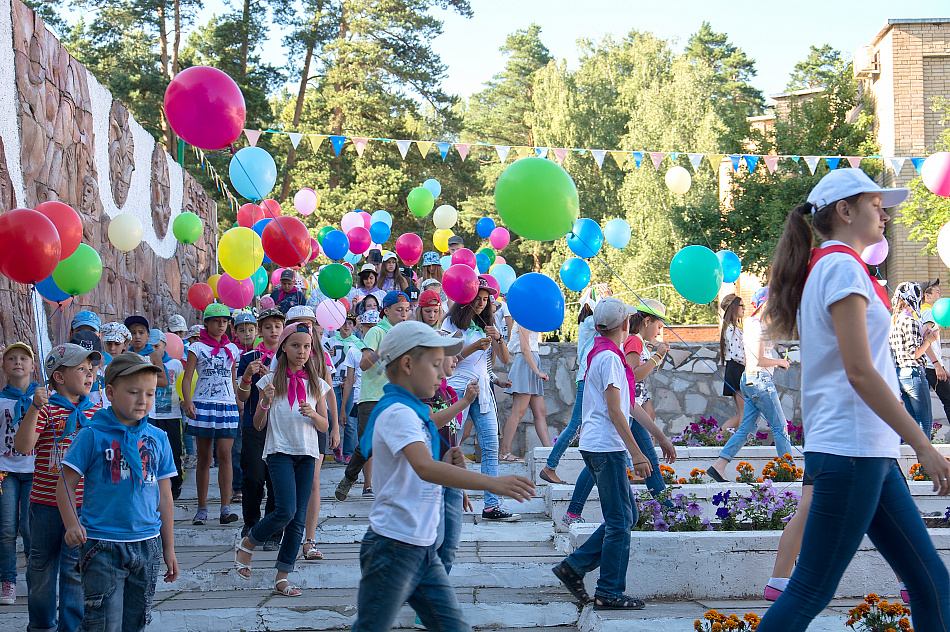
367,219
440,239
535,301
445,262
482,262
314,249
249,214
258,228
500,259
31,248
617,233
585,238
350,221
678,180
174,345
875,254
464,256
420,201
537,199
335,280
575,274
484,227
433,186
240,252
941,312
935,173
445,216
488,252
50,291
286,241
331,314
205,107
79,272
67,222
125,232
360,239
379,232
275,277
492,281
460,283
235,293
253,172
731,265
499,238
505,275
259,278
346,303
200,295
306,201
180,379
409,248
271,208
696,274
187,228
352,258
943,243
213,283
323,232
382,216
335,245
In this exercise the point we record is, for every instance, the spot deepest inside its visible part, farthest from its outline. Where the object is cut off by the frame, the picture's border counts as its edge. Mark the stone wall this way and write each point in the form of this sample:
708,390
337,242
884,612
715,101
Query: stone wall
63,137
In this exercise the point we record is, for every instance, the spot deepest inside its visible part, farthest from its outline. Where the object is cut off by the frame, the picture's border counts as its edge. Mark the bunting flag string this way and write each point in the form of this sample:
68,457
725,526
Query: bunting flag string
219,183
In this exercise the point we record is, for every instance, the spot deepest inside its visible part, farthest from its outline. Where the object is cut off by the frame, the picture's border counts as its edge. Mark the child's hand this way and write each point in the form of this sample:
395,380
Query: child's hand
171,564
466,503
663,348
513,486
40,397
783,363
669,450
643,468
253,369
543,376
482,344
334,438
306,409
267,395
75,535
471,392
455,457
189,408
342,417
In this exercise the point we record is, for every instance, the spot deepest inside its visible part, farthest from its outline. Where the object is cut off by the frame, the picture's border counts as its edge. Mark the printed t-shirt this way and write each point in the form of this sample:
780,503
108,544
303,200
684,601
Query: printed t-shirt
635,344
10,459
215,384
49,450
167,402
598,433
288,431
250,406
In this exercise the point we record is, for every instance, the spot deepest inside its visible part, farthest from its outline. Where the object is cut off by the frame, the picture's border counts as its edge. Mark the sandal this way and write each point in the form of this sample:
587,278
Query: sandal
572,581
288,590
312,553
510,458
622,602
238,566
553,481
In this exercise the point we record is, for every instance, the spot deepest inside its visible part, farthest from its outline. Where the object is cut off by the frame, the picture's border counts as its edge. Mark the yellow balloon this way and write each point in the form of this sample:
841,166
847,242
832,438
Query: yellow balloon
440,239
678,180
240,252
180,380
213,282
125,232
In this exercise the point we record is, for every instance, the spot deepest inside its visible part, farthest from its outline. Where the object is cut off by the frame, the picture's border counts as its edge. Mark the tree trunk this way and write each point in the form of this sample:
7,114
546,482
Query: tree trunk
168,135
174,68
298,109
338,117
245,36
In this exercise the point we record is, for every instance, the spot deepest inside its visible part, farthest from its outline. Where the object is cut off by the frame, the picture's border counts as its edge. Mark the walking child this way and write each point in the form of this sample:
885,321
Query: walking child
139,329
166,413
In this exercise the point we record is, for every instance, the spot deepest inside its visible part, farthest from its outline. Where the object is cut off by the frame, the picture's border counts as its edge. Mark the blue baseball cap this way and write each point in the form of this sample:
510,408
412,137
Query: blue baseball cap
89,319
394,297
430,258
761,295
137,320
244,318
155,336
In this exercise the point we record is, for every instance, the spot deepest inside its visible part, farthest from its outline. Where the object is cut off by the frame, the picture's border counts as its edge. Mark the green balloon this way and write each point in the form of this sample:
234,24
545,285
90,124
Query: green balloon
488,252
335,280
187,228
537,199
421,201
323,233
941,312
260,281
696,273
79,272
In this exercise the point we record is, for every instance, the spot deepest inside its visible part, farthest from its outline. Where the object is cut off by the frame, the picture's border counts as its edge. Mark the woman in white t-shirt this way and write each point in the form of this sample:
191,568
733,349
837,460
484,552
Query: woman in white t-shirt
732,354
527,389
853,417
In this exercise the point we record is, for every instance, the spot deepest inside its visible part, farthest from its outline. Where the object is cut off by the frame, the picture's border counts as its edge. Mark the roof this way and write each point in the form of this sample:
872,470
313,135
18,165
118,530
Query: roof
893,21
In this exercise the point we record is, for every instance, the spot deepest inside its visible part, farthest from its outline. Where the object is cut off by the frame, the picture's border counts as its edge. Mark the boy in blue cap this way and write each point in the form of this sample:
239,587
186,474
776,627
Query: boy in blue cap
84,321
139,328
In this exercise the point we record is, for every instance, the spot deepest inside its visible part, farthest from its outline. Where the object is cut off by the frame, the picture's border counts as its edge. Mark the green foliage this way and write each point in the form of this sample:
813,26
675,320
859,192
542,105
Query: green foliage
822,68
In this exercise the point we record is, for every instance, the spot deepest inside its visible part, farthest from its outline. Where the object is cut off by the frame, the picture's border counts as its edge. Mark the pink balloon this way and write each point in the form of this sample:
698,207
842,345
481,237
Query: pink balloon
499,259
306,201
466,257
174,346
875,254
205,107
409,248
275,277
499,238
492,281
935,173
350,221
331,314
460,283
359,240
314,249
235,294
367,219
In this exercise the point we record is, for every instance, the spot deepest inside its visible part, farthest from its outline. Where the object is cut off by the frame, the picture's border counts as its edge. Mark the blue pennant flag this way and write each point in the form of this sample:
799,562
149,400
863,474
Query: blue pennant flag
673,155
638,157
832,162
443,149
338,142
735,158
918,163
751,162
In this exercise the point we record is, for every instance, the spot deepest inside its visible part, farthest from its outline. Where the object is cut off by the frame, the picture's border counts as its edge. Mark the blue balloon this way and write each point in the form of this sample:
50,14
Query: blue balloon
445,262
731,266
483,262
50,291
585,238
536,302
617,233
352,258
258,228
505,275
434,187
379,232
335,245
253,172
381,216
575,274
484,227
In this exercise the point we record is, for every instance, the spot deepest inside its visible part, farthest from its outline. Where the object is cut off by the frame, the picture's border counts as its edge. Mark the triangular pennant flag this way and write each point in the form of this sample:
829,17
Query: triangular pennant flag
715,160
424,147
316,140
751,162
403,146
795,158
253,135
598,155
637,157
833,161
770,162
463,149
523,152
657,157
541,151
812,162
295,138
360,145
559,155
338,142
695,159
673,155
896,163
855,161
443,149
502,151
734,159
620,157
918,163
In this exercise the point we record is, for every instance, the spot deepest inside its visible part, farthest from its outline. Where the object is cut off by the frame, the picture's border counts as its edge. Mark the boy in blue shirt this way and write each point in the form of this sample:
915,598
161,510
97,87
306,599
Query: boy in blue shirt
126,465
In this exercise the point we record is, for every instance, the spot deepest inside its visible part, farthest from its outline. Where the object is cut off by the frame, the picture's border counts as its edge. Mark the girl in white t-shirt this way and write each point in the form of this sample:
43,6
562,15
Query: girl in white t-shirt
293,407
732,354
853,417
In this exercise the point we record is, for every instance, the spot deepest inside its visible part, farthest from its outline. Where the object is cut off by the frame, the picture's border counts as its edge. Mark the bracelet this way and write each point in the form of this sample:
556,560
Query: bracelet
243,381
263,407
246,390
37,407
640,463
655,363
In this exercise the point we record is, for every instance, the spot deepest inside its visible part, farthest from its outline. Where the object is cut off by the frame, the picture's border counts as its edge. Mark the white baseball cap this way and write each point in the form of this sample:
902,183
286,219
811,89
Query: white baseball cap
610,312
411,334
842,183
298,312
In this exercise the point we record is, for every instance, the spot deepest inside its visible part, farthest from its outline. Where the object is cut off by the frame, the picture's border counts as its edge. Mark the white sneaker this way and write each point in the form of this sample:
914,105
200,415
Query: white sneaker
8,595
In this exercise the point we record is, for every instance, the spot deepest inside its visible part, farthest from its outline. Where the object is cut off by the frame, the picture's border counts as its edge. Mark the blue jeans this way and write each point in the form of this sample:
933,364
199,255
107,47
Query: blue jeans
292,477
564,439
393,573
118,584
761,398
915,391
237,476
486,426
348,433
450,528
51,559
14,518
854,496
609,546
654,482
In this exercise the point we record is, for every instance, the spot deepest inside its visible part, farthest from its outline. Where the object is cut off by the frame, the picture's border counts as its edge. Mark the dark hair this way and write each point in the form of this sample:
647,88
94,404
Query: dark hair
399,280
462,314
585,313
361,306
730,306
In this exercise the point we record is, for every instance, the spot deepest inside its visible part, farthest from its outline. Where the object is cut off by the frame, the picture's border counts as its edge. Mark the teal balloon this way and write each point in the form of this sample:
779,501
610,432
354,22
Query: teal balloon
536,302
617,233
731,266
585,238
575,274
381,216
434,187
941,312
445,262
352,258
253,172
79,272
537,199
260,281
505,275
696,274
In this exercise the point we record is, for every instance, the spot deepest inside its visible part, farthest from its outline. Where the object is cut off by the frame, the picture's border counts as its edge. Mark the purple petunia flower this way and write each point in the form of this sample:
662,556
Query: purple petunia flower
693,509
723,513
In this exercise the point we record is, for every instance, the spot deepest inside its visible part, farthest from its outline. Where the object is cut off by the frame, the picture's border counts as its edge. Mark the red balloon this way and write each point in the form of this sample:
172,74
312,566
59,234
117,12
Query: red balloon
359,240
460,283
67,222
345,302
271,208
409,248
249,214
466,257
200,295
286,241
492,281
205,107
31,247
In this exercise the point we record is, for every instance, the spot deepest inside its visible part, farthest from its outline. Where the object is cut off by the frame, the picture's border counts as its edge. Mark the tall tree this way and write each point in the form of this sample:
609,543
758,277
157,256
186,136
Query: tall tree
821,69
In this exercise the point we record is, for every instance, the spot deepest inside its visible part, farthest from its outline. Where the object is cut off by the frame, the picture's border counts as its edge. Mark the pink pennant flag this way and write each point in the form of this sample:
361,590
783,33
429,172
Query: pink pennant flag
598,155
463,149
403,146
855,161
560,154
770,162
657,157
295,138
253,135
502,151
360,145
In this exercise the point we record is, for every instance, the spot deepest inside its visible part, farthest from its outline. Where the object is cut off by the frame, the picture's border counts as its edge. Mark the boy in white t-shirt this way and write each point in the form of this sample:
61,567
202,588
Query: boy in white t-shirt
398,557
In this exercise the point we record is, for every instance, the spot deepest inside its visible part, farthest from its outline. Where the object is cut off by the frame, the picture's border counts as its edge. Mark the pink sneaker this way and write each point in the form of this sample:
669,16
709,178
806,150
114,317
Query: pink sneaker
8,595
905,596
771,594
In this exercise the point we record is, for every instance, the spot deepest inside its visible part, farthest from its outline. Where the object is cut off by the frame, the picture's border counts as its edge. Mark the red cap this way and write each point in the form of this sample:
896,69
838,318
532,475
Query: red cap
430,298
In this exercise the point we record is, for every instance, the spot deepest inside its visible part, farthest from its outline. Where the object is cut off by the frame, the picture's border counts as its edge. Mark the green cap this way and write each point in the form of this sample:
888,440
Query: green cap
217,310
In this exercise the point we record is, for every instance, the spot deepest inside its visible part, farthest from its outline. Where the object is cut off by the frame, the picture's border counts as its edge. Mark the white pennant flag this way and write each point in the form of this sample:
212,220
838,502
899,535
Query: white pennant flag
295,138
502,151
598,155
896,164
695,159
403,146
812,162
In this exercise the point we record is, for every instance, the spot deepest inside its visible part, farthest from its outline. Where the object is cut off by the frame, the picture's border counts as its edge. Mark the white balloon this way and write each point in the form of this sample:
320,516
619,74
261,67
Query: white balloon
943,243
125,232
445,217
350,221
678,180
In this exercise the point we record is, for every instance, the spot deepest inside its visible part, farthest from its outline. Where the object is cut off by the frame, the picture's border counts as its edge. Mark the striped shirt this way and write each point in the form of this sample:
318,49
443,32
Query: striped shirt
50,448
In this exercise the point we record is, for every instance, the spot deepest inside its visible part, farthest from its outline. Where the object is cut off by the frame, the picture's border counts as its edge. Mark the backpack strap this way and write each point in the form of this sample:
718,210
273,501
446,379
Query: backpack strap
818,253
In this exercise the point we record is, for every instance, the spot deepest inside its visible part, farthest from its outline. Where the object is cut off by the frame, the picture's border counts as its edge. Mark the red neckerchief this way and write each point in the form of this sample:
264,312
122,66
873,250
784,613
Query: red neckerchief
602,343
296,387
216,345
266,354
818,253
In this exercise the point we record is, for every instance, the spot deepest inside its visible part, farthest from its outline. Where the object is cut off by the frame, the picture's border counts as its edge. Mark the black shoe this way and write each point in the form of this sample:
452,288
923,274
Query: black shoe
228,518
368,493
343,488
715,475
497,514
237,497
272,545
176,493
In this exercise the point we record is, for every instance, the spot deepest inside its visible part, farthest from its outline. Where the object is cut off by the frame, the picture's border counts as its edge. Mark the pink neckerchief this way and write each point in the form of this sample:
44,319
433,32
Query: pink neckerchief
602,343
241,347
216,345
266,354
284,295
296,386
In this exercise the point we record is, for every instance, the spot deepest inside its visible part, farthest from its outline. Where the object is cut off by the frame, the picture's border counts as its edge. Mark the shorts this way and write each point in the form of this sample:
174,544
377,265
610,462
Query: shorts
733,376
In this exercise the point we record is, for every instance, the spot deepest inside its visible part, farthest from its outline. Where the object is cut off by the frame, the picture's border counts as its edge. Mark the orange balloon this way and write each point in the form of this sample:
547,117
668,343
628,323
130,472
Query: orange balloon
213,282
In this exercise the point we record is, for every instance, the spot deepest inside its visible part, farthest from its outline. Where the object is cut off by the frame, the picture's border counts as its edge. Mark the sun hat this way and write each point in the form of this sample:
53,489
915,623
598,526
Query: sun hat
177,323
273,312
87,318
242,318
367,267
19,345
430,258
393,297
759,297
410,334
610,312
137,320
430,298
839,184
128,363
298,312
652,307
910,293
483,285
194,330
155,336
115,332
369,318
456,239
267,302
389,254
70,354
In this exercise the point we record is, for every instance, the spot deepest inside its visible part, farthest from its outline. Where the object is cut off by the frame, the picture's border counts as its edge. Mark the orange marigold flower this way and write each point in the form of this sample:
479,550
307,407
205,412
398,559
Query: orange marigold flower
872,599
904,623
